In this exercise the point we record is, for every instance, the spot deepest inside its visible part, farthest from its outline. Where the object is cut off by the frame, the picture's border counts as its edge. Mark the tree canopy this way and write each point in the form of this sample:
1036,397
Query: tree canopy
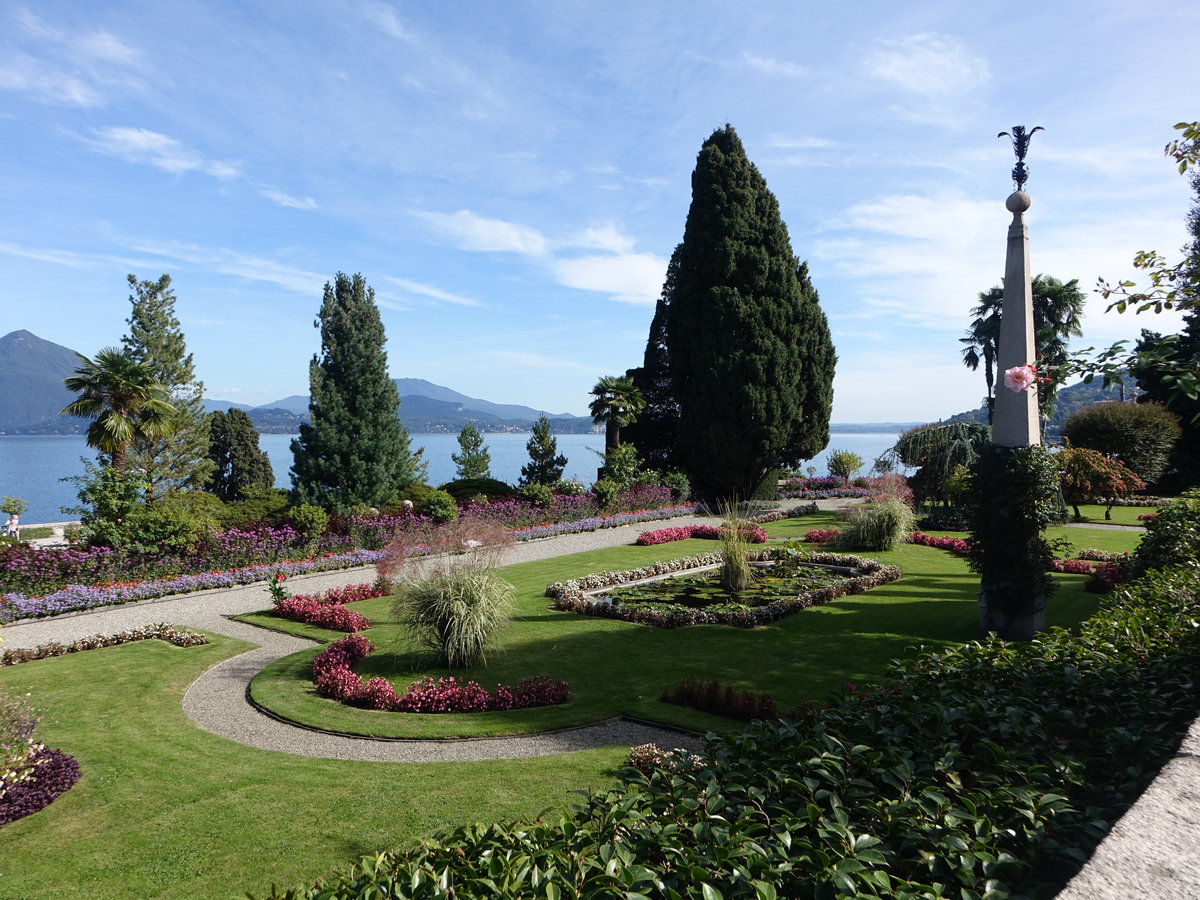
178,457
616,402
473,459
239,465
355,451
747,345
545,464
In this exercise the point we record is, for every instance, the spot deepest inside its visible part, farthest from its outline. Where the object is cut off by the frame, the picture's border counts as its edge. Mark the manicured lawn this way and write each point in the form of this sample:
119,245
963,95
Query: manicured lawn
1121,515
165,809
617,668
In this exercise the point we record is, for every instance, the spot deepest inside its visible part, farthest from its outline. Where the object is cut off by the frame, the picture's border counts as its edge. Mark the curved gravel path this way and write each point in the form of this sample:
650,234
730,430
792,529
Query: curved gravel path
219,700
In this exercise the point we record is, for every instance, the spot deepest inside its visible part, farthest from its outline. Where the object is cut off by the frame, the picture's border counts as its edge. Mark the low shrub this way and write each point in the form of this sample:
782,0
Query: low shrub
465,488
540,495
723,700
1172,537
308,520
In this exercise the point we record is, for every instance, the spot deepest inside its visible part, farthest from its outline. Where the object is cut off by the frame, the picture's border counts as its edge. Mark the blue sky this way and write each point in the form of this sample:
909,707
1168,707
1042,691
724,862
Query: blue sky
511,177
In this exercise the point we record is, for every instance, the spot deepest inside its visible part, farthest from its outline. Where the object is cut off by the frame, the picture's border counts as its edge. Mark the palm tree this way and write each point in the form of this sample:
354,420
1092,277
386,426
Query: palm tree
617,403
123,398
1057,314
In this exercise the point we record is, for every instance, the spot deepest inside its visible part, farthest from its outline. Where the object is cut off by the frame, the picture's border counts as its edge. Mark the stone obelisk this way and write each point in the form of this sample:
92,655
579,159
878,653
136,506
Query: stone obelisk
1012,598
1015,413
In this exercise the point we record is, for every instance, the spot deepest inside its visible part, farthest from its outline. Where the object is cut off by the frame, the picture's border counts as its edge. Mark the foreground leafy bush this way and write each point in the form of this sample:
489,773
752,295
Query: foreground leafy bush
989,770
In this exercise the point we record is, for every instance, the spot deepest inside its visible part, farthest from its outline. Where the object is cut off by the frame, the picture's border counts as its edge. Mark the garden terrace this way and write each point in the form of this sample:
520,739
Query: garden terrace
218,818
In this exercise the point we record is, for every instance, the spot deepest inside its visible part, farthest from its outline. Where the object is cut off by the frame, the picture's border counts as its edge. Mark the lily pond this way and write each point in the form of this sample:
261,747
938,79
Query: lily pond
703,590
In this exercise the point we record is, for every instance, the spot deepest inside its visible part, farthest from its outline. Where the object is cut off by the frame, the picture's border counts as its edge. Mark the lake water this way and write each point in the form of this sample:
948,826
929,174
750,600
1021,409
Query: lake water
31,465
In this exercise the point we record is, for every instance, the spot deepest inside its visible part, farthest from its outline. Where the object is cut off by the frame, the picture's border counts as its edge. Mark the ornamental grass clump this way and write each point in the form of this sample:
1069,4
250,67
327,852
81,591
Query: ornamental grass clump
454,602
735,552
880,525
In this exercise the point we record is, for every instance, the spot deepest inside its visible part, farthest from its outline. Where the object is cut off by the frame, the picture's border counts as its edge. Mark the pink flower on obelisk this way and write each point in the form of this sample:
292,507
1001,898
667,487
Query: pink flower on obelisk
1019,378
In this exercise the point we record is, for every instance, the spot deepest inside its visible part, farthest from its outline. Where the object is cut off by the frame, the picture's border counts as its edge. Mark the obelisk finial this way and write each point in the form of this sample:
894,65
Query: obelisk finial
1020,142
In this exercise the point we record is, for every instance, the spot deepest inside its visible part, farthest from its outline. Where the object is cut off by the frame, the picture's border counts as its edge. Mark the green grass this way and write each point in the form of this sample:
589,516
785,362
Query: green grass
1121,515
29,534
165,809
620,668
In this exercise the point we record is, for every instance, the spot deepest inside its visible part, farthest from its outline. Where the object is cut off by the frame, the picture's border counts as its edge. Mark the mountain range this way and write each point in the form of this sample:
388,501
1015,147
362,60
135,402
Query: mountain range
32,393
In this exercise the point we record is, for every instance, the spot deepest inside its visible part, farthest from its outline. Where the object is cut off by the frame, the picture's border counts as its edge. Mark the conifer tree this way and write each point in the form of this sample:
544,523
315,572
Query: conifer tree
238,463
545,464
474,461
355,451
178,458
748,347
655,431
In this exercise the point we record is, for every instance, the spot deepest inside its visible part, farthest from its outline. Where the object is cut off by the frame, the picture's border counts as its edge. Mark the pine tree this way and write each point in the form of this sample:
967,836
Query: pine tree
238,463
545,464
748,347
355,451
178,460
474,461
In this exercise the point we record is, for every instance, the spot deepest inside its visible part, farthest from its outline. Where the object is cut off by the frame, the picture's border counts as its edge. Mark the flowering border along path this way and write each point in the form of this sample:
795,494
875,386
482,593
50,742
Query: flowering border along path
79,597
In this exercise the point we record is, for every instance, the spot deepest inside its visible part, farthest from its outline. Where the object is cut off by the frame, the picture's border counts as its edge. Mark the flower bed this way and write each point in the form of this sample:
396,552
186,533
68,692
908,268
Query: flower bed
334,676
572,596
328,610
752,535
51,774
180,637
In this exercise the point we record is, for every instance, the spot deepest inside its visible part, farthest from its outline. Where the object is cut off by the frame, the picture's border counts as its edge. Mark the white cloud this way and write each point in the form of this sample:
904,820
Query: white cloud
469,231
606,237
44,83
104,47
285,199
233,262
768,65
800,143
628,277
384,18
139,145
927,64
425,290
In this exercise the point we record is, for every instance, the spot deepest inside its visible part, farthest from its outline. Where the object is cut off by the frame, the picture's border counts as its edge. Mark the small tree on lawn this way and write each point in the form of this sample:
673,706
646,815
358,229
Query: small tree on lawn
1141,435
1088,475
546,464
474,460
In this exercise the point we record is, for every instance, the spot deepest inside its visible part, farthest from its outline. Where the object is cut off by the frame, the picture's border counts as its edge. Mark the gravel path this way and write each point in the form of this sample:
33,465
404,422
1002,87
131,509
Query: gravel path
218,699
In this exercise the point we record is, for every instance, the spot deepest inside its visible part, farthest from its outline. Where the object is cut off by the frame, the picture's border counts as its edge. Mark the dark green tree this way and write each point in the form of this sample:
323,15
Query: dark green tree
177,459
545,464
355,451
124,400
239,465
474,460
616,402
748,349
655,433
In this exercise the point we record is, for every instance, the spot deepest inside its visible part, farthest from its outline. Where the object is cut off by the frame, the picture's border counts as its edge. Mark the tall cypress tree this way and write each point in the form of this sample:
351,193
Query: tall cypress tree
748,348
356,451
238,462
655,431
178,460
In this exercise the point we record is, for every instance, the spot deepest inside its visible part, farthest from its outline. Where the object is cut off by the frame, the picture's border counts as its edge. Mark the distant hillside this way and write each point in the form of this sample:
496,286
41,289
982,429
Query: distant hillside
1070,399
31,386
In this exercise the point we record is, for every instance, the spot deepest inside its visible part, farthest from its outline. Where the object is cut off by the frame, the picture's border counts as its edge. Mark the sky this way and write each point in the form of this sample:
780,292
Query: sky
511,177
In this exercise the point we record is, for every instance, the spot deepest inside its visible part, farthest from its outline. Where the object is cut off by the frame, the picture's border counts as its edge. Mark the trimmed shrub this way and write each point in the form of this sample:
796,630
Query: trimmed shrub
308,520
539,495
465,488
